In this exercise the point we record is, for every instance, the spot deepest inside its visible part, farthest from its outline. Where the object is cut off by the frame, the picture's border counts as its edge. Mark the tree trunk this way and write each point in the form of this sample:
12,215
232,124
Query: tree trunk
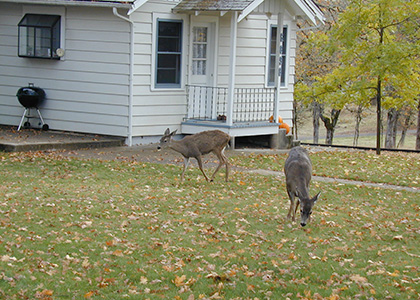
378,116
357,127
405,128
391,128
330,124
295,121
418,128
316,112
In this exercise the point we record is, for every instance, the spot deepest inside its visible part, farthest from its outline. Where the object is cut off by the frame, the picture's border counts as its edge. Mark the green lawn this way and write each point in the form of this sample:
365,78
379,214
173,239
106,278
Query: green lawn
370,141
90,229
396,168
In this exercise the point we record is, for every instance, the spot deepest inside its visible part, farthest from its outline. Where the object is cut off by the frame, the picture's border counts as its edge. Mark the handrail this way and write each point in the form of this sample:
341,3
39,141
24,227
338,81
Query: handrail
250,104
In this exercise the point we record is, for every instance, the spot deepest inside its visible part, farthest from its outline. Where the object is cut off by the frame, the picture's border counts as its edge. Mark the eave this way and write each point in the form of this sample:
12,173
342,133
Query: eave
305,8
95,3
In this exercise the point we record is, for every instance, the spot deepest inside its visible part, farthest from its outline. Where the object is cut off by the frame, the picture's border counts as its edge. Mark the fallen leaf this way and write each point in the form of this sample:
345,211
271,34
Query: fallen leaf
249,274
143,280
85,264
47,293
89,294
118,253
358,278
179,281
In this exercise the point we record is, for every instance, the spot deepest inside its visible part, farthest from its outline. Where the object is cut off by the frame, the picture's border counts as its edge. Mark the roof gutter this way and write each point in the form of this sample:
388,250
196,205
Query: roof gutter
130,77
136,5
310,28
126,4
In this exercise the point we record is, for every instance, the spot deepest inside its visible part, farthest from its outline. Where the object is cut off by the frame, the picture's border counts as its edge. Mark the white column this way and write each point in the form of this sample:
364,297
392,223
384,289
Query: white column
277,70
232,65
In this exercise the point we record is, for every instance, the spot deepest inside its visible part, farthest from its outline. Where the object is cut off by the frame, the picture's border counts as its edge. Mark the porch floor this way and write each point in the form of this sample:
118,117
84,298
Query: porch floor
238,129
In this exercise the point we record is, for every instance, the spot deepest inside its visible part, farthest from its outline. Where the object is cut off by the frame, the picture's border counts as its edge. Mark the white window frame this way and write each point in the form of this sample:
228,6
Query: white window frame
270,24
184,51
194,21
43,10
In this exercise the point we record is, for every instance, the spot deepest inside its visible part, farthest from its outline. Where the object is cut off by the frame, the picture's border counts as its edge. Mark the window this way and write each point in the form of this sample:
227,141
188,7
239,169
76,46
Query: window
200,42
272,57
39,36
169,53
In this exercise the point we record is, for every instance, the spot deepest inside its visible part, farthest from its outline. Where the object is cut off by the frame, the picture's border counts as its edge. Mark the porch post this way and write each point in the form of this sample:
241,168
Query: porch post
277,69
232,65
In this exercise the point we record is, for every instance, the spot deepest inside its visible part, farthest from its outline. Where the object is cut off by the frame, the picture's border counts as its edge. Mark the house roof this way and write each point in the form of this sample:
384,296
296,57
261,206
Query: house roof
311,10
212,5
306,8
100,3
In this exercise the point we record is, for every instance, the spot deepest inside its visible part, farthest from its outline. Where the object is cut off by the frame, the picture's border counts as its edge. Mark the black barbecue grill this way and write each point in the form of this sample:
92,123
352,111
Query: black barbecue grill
31,97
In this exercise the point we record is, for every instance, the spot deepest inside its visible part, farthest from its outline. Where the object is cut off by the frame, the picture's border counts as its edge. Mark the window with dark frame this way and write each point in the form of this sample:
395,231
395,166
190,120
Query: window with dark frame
39,36
272,56
169,53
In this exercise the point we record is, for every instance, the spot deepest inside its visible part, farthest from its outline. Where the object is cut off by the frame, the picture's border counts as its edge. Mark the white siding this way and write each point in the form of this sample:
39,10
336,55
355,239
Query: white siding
154,110
87,91
251,61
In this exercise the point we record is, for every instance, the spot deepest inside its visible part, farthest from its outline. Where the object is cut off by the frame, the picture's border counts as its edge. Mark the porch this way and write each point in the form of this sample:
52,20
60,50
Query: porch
249,114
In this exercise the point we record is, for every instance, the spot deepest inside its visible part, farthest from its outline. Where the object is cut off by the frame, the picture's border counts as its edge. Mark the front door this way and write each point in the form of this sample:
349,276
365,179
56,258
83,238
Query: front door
202,71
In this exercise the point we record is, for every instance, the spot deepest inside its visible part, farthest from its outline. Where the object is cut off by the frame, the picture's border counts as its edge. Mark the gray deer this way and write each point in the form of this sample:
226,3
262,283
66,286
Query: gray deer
298,171
196,146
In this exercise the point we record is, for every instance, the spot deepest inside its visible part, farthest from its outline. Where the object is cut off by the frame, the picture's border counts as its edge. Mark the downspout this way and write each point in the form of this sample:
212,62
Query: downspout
232,66
130,78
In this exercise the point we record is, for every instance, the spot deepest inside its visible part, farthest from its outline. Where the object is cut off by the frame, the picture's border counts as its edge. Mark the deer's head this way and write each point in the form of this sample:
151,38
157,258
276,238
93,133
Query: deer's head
166,139
306,206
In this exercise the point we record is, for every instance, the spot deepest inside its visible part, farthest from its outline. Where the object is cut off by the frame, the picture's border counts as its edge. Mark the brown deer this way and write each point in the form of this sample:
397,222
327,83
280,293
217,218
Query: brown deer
298,171
196,146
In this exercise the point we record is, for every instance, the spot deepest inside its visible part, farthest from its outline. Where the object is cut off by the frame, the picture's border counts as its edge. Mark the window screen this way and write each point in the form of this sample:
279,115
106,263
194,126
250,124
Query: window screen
39,36
272,56
169,53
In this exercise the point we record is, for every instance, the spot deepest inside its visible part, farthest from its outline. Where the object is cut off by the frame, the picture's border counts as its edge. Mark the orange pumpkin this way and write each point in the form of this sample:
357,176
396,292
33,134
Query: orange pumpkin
272,118
285,126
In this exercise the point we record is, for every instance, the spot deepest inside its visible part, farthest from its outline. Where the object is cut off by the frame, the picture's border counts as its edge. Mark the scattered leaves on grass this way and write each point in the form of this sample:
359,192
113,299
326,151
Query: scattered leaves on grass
97,229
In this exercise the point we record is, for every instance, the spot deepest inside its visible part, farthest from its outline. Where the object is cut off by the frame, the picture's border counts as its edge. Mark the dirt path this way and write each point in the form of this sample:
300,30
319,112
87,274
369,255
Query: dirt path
149,153
343,181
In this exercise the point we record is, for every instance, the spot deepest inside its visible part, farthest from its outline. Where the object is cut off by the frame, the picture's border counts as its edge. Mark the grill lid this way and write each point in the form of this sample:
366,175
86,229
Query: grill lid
30,96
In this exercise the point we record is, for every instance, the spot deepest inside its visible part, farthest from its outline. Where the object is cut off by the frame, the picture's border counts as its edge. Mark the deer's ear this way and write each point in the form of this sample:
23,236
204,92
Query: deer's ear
167,131
174,132
316,197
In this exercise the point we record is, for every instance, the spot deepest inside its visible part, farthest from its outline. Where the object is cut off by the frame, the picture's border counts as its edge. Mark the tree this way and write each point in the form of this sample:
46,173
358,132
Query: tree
358,112
391,131
313,61
378,41
407,115
330,124
418,128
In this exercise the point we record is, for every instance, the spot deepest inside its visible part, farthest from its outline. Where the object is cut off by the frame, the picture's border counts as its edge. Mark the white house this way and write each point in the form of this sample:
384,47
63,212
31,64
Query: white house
134,68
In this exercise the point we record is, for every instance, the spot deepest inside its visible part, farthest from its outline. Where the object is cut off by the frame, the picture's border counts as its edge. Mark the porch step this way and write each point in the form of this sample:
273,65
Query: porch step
38,140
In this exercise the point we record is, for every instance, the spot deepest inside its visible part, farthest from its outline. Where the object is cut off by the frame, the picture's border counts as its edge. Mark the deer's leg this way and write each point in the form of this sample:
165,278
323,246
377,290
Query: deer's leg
200,165
292,204
186,163
222,161
227,164
296,208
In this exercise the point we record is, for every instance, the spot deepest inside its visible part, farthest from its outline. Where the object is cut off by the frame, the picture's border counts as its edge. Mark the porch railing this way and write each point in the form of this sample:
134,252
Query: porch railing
249,105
